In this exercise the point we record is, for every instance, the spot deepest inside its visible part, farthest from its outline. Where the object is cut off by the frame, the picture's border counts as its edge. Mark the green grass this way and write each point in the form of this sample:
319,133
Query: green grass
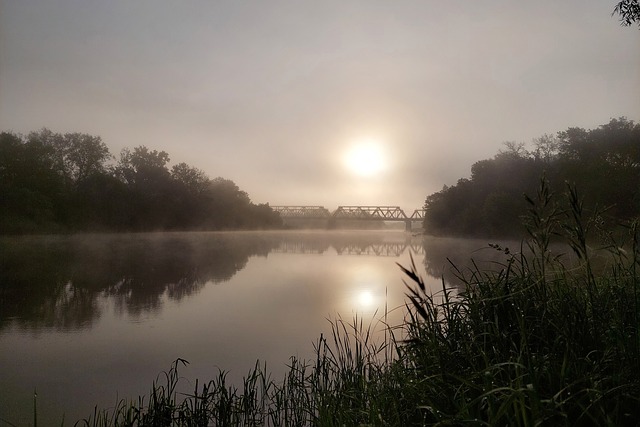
536,341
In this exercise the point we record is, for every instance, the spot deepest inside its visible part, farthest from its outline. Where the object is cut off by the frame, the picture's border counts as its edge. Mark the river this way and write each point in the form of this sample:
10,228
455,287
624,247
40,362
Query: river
87,320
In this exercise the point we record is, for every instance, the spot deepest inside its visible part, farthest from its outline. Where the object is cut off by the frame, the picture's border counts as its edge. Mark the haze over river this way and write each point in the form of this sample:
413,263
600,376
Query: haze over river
87,320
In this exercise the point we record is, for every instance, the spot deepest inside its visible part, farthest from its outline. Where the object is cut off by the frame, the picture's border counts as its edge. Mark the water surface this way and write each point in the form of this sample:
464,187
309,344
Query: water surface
87,320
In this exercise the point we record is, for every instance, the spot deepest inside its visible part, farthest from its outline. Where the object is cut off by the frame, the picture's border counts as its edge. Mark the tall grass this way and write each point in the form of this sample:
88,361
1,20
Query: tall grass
537,341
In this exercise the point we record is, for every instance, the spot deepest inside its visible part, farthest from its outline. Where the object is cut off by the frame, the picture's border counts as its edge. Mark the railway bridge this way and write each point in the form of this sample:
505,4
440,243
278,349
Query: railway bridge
360,213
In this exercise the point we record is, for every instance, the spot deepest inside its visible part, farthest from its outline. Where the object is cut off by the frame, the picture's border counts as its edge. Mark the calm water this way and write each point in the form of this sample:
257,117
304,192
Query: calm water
87,320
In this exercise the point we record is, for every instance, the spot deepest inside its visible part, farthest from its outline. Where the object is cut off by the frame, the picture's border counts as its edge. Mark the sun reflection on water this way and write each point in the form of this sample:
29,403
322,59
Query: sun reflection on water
365,299
366,289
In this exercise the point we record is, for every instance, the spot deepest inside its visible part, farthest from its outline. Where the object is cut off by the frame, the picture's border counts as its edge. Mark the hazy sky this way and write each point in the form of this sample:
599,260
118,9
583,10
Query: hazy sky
274,94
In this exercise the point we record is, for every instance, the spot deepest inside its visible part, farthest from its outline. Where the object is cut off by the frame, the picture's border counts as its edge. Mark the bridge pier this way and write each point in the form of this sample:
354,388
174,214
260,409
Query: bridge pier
407,225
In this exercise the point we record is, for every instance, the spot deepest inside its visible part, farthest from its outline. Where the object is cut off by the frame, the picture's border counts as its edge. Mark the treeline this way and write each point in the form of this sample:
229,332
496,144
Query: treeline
52,182
602,163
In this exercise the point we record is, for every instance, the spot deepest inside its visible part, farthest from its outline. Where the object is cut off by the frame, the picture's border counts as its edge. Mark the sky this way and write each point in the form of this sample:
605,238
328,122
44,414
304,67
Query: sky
350,102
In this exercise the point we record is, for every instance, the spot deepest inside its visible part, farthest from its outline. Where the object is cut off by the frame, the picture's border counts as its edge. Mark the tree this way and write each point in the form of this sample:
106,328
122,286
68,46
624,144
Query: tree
603,163
31,187
629,11
55,182
547,148
11,152
194,180
228,205
152,192
46,146
74,156
141,164
83,155
514,150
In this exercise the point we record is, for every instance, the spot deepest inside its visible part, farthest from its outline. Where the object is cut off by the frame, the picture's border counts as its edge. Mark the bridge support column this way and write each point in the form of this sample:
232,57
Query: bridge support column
407,225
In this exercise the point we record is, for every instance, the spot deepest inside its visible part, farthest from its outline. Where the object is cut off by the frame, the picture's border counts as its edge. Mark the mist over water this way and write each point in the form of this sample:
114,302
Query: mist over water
88,319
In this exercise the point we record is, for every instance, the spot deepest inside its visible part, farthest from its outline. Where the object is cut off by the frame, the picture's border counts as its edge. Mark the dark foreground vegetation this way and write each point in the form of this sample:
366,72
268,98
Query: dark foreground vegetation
603,163
536,341
50,182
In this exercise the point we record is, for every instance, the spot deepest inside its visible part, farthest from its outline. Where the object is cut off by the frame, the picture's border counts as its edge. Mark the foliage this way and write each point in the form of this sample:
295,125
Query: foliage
52,182
604,163
629,11
535,342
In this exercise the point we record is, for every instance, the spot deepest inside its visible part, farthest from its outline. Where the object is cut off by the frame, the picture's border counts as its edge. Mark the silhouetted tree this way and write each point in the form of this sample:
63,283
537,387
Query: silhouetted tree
193,179
32,185
83,155
152,199
604,163
142,166
55,182
547,148
227,203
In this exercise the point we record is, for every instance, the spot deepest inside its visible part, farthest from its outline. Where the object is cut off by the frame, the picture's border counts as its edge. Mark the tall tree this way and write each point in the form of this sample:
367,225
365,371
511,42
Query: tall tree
55,182
32,187
195,181
603,163
546,148
228,205
151,188
142,165
83,155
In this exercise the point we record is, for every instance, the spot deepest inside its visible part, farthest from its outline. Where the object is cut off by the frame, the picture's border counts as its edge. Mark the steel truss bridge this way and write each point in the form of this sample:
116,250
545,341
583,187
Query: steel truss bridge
360,213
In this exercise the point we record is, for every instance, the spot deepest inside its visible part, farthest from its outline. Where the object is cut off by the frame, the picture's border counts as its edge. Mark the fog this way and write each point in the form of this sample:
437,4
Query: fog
273,95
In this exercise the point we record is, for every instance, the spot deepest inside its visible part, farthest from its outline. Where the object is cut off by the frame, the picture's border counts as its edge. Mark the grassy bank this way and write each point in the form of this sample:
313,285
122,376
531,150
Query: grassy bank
534,341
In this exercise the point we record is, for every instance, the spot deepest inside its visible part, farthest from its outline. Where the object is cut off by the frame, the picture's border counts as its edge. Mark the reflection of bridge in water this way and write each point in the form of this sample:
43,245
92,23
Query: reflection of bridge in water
342,246
359,213
380,249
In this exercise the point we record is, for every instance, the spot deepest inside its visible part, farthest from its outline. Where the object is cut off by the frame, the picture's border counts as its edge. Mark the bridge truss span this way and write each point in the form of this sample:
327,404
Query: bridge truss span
385,213
418,214
309,212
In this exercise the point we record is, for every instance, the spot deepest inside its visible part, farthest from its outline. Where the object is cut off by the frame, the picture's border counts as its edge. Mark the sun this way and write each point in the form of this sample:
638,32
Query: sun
366,158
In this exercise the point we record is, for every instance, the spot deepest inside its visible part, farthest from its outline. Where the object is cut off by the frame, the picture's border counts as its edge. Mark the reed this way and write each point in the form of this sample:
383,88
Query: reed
535,341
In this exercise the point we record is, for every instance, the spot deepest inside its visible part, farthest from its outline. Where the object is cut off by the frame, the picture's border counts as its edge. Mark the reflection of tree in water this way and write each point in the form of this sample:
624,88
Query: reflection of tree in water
64,282
468,255
442,254
36,288
59,281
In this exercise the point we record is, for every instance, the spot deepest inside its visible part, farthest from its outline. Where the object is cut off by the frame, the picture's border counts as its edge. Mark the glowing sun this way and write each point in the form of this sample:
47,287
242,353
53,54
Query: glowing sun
365,158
